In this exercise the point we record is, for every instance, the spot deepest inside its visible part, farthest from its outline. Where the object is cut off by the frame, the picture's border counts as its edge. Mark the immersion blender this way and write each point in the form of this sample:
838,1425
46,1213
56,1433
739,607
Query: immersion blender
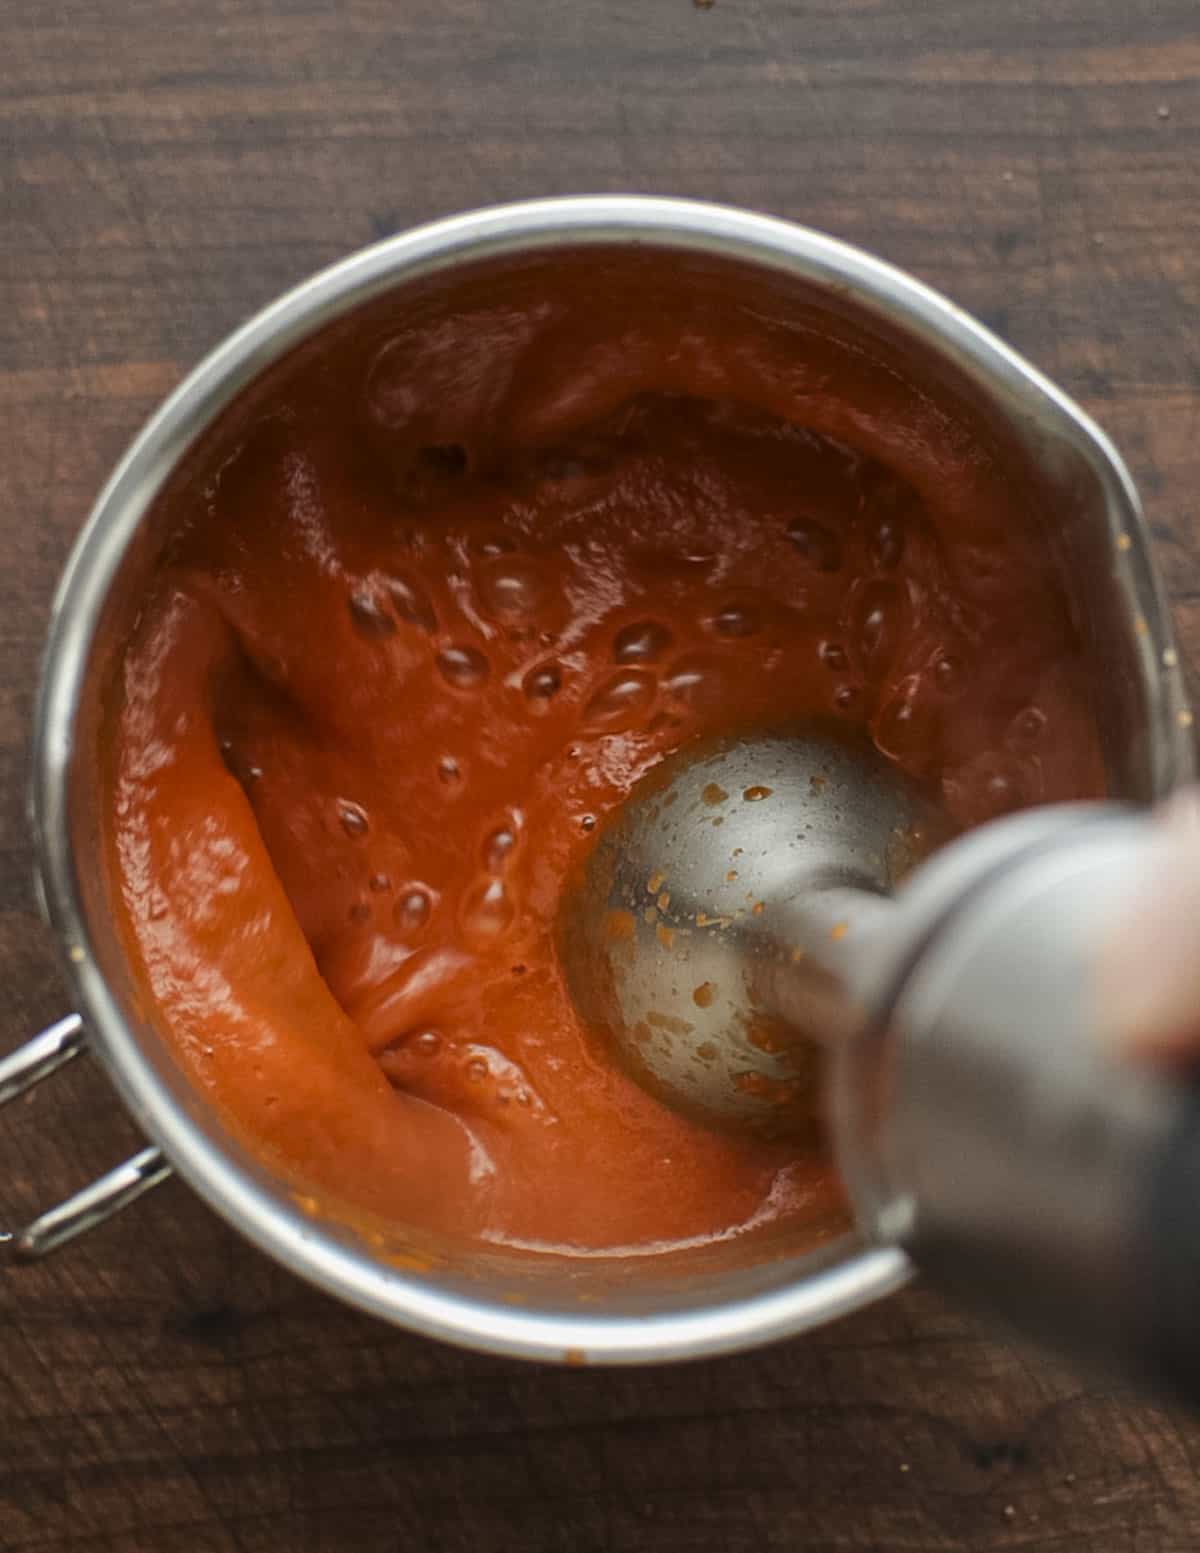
761,898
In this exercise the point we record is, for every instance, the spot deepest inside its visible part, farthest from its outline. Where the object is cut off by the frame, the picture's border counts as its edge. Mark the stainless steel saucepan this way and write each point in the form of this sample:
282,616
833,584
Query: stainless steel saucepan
596,1309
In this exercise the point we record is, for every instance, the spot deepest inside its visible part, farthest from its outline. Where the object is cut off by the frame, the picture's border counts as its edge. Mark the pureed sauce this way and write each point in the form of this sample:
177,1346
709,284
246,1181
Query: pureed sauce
438,595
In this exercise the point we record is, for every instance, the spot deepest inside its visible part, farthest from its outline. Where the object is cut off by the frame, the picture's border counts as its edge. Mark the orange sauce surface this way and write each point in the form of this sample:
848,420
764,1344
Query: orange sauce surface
441,603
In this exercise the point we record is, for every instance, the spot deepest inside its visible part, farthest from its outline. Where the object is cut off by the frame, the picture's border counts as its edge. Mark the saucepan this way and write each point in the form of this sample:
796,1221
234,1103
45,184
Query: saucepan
598,1309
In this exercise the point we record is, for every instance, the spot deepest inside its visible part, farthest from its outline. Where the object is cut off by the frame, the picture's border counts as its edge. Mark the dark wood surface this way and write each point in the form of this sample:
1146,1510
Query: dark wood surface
166,166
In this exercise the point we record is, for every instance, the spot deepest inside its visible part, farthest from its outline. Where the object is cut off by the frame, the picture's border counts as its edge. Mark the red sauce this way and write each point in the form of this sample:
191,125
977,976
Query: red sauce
436,601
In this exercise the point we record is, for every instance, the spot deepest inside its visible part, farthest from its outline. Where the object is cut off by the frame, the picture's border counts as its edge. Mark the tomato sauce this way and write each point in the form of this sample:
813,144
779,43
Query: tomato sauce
438,600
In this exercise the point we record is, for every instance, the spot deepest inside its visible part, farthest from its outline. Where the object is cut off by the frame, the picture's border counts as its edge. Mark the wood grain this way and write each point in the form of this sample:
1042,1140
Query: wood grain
165,168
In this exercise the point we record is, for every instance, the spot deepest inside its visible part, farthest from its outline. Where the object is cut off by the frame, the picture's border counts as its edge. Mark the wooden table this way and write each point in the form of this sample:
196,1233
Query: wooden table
166,168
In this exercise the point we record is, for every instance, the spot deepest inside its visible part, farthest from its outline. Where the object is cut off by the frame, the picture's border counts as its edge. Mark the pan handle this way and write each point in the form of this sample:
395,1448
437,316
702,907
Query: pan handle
48,1051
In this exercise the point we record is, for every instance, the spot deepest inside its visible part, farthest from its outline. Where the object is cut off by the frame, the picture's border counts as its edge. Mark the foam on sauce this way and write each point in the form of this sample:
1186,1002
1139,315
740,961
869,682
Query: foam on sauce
444,598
